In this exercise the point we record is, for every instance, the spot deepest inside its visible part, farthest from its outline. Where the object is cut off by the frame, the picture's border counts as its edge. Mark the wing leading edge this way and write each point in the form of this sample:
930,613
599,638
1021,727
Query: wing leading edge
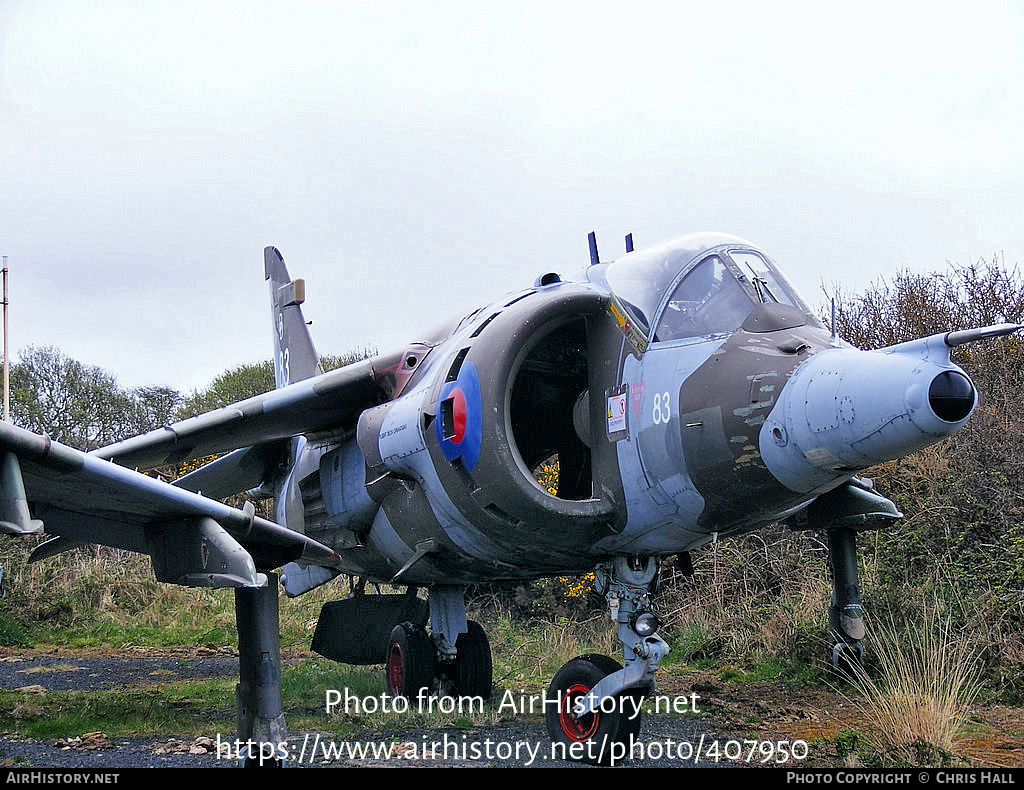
325,404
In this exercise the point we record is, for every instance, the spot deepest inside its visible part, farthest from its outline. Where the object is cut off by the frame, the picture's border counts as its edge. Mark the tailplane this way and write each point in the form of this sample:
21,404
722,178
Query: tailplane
295,358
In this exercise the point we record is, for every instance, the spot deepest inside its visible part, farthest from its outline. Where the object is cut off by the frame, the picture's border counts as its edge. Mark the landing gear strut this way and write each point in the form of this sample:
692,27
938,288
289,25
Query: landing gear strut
454,659
593,705
261,726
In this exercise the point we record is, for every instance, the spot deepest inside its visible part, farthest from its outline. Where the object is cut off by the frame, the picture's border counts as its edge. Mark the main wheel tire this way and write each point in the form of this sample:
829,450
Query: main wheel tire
409,671
606,734
473,671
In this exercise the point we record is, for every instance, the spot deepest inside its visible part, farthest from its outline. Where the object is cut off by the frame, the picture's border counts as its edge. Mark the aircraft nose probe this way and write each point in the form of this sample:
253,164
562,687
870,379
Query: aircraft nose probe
950,391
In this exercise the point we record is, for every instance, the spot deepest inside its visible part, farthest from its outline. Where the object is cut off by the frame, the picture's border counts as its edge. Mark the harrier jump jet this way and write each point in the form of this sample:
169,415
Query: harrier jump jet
684,393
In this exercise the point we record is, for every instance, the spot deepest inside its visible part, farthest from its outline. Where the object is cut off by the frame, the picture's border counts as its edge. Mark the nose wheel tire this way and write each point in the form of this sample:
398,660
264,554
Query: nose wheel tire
409,671
602,737
631,726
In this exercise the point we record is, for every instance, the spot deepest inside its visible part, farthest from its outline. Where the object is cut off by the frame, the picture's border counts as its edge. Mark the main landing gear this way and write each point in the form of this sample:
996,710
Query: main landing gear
593,705
454,659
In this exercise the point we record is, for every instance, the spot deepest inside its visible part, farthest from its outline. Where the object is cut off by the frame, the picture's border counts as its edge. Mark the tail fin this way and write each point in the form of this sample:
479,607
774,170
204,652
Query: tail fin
295,358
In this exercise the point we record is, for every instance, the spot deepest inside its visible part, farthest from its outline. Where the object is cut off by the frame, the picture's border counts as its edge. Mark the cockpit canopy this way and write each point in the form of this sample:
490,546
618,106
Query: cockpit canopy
694,286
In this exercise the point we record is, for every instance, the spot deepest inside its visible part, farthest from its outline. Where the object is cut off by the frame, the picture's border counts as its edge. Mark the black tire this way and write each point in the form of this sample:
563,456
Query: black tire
409,671
608,665
847,661
601,737
473,671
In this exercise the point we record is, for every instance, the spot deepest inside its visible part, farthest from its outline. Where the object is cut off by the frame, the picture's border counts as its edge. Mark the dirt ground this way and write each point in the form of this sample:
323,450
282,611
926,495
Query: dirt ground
775,711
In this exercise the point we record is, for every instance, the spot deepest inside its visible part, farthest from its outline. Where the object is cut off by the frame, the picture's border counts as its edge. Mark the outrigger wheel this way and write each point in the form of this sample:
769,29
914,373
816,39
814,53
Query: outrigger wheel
410,667
598,730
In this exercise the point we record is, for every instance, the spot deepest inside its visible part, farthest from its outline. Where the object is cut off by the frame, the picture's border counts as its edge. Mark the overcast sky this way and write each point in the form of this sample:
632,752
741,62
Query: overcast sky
411,160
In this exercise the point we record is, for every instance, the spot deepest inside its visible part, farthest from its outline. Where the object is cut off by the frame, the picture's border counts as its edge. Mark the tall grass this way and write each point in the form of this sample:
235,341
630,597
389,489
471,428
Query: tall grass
527,654
750,598
917,689
101,596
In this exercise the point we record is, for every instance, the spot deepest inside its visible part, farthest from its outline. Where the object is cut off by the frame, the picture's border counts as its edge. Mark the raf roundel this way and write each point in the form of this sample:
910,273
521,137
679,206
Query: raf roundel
459,417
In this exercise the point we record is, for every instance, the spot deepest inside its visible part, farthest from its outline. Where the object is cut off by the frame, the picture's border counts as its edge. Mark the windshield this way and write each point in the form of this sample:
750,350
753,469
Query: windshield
769,284
708,300
728,280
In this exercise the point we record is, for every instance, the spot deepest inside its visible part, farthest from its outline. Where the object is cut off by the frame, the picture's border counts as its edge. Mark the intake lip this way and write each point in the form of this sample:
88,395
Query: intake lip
951,396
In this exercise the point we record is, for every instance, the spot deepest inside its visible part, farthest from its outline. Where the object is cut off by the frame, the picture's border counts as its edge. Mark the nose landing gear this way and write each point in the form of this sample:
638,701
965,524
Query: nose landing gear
594,704
600,736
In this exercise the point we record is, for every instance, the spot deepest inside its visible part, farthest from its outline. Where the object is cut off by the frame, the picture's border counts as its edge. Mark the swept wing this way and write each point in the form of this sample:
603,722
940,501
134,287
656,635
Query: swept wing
326,404
192,539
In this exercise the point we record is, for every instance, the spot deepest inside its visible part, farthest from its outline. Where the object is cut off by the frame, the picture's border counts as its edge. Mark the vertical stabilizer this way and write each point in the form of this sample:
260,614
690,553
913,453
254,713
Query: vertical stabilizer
295,358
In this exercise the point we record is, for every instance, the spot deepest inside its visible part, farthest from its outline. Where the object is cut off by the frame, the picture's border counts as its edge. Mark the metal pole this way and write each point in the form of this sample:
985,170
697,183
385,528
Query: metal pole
7,368
260,706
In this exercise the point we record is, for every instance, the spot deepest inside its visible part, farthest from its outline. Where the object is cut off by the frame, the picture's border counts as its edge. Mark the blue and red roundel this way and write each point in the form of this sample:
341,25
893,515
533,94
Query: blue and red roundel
460,418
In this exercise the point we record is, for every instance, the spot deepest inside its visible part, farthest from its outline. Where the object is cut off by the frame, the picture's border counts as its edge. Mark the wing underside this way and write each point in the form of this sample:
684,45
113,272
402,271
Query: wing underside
192,540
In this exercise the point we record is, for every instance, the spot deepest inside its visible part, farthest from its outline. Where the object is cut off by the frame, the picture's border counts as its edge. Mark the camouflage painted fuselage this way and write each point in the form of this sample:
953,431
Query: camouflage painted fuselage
620,412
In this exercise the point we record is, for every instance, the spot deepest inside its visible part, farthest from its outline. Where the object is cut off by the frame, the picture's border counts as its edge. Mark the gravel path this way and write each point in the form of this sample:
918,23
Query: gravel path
516,744
97,673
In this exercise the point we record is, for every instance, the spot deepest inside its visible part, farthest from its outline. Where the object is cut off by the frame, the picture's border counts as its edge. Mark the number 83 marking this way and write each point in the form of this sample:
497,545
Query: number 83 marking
662,408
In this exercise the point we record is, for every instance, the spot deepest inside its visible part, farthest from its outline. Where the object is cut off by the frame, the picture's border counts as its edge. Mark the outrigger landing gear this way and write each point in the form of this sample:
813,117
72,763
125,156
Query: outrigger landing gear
261,726
841,513
454,659
593,705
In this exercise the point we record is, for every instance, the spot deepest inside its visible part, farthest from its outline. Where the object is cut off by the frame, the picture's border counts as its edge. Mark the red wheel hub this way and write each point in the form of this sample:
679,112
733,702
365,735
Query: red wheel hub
396,669
577,729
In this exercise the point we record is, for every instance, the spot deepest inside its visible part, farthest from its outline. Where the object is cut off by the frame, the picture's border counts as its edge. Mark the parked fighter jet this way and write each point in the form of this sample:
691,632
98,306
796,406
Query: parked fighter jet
685,391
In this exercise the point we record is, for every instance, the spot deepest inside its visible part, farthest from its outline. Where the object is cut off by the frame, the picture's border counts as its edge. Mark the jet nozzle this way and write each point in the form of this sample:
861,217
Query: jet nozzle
951,396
